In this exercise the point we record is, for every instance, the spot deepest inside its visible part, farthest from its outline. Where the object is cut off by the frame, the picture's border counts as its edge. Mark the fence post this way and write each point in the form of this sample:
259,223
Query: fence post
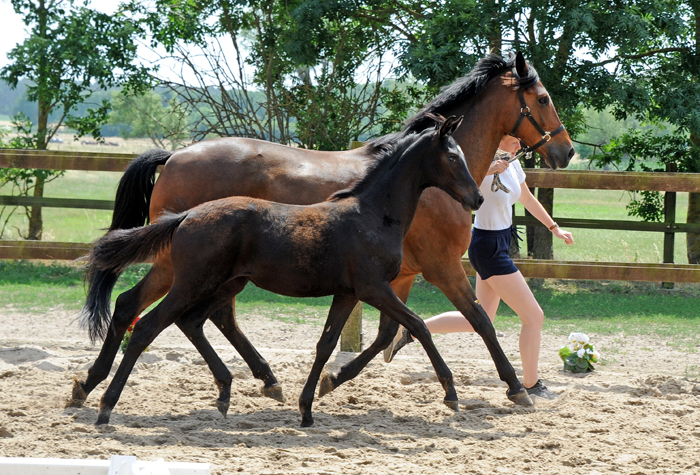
670,221
351,338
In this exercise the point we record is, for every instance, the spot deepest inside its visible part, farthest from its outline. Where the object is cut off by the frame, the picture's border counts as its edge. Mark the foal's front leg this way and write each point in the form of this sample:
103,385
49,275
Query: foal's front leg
383,298
337,316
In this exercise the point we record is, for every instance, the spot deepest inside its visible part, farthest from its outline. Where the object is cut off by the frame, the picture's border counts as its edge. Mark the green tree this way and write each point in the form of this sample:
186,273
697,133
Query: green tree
150,115
317,87
71,50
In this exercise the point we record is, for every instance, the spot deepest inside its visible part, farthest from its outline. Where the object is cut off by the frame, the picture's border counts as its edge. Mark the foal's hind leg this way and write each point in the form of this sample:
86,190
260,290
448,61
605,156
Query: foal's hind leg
225,321
337,316
129,305
387,329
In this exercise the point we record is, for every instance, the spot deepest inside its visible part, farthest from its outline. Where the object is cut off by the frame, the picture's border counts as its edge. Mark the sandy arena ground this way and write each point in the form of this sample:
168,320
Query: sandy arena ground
634,415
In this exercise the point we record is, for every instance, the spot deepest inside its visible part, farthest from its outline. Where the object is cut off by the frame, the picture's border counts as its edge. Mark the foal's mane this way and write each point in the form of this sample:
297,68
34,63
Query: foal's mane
383,153
468,87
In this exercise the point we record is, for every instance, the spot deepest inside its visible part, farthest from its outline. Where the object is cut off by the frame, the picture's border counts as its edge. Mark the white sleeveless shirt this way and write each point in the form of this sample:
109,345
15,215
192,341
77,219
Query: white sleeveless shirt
496,212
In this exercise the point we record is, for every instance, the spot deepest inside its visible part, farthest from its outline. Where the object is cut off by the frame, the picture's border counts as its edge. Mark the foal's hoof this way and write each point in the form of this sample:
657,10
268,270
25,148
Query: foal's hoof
326,384
454,405
521,397
307,422
78,396
274,392
103,418
222,406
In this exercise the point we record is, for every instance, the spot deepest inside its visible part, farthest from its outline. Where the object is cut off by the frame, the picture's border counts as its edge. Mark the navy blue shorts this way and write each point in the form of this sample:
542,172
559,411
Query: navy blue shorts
488,253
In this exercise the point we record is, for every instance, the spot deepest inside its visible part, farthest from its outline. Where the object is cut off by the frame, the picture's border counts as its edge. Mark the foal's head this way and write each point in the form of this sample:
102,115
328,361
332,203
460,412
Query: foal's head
445,166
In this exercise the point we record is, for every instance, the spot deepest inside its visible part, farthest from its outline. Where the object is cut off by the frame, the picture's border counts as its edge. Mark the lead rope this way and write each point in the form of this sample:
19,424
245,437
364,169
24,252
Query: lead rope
497,184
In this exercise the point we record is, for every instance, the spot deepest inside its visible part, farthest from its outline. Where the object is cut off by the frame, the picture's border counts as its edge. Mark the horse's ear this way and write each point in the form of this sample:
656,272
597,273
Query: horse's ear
521,65
450,125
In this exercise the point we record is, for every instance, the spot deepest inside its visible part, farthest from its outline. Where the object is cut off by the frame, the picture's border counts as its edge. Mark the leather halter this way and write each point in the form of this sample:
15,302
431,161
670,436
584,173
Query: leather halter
525,114
497,184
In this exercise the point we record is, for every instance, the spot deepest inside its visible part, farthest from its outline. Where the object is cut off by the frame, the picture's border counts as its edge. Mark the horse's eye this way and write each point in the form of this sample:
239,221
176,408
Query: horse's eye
543,100
452,158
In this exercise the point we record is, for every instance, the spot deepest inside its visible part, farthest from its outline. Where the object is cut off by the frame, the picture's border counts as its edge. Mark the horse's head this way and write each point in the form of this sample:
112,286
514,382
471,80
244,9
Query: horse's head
446,167
535,120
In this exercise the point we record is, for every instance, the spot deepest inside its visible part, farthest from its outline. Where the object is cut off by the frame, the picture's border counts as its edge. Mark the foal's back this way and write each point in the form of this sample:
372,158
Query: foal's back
287,249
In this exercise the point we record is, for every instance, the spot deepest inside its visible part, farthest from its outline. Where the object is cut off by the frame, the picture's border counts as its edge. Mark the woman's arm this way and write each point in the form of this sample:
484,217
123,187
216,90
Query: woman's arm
537,210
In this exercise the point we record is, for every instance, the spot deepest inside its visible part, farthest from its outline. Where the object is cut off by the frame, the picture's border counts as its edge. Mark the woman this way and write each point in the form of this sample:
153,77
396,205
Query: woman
496,276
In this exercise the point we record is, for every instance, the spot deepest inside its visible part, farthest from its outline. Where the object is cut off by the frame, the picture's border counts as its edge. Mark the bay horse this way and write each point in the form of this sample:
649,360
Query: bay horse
488,97
349,246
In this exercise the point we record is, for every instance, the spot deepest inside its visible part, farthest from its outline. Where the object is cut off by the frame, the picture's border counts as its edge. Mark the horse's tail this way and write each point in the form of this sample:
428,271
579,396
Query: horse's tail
134,192
110,255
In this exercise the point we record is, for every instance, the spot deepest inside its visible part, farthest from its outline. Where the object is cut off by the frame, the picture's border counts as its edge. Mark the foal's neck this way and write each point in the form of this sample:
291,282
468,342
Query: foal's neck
395,195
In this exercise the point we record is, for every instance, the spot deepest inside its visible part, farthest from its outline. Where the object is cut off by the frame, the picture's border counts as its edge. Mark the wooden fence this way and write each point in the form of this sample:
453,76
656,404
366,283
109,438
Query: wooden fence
537,178
671,183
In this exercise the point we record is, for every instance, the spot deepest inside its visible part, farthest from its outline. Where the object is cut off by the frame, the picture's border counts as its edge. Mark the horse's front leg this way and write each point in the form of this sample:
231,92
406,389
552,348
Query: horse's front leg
337,316
387,329
225,321
452,281
383,298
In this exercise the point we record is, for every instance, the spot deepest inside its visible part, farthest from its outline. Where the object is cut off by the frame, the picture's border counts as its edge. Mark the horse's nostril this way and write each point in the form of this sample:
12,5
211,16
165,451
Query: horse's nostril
572,152
479,201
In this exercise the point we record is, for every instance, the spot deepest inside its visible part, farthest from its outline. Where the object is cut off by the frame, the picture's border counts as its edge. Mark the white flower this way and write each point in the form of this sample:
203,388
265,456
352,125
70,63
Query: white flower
596,355
589,351
581,352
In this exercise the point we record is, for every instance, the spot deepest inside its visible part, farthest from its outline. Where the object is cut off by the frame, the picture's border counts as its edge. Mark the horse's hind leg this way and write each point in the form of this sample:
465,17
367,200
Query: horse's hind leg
337,316
225,321
192,328
387,329
128,306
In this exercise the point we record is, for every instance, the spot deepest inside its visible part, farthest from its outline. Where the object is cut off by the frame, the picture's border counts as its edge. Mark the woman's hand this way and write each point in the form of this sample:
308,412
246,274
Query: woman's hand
565,235
497,166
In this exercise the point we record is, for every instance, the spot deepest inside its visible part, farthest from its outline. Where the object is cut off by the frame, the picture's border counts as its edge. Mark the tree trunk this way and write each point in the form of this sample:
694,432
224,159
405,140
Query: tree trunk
542,248
36,223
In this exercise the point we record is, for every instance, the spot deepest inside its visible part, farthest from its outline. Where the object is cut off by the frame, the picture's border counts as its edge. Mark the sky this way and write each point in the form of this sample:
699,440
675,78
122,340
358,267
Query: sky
13,30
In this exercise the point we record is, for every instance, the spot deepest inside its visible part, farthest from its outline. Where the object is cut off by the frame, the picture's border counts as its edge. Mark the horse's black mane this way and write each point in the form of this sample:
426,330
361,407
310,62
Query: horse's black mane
466,88
384,153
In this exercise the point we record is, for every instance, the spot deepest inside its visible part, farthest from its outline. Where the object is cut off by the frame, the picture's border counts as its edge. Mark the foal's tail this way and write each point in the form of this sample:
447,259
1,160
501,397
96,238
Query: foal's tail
134,192
113,253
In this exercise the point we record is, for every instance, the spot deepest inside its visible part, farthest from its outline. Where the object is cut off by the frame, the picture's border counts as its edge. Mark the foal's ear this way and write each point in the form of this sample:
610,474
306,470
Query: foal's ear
450,125
521,65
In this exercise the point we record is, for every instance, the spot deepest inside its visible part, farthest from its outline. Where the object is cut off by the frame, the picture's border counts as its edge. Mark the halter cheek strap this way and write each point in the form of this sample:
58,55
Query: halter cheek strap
525,114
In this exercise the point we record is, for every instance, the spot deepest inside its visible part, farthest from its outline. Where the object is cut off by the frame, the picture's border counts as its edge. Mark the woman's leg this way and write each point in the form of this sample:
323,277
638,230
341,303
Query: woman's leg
454,322
515,292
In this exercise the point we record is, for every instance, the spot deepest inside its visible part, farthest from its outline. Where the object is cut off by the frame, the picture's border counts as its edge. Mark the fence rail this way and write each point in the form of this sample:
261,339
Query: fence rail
600,180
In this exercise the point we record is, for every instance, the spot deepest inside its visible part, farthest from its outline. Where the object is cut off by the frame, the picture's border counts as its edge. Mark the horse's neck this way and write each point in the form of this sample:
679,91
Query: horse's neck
482,128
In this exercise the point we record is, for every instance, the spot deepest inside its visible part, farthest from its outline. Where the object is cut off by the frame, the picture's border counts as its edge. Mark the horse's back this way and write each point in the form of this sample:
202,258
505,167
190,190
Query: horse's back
219,168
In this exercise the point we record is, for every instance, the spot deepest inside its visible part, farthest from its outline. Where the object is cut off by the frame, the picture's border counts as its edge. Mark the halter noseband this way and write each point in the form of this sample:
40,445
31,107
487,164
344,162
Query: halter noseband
525,114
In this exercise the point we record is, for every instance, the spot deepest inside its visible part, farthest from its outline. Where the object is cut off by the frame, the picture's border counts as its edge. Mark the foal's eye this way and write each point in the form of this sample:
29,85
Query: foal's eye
543,100
452,158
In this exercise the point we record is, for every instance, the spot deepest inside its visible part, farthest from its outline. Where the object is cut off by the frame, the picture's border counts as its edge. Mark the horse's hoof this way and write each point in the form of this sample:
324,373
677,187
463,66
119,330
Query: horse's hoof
78,395
103,418
521,397
274,392
326,384
222,406
307,422
454,405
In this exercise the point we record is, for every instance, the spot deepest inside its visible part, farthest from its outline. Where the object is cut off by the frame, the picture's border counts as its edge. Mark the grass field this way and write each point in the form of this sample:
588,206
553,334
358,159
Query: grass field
599,307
